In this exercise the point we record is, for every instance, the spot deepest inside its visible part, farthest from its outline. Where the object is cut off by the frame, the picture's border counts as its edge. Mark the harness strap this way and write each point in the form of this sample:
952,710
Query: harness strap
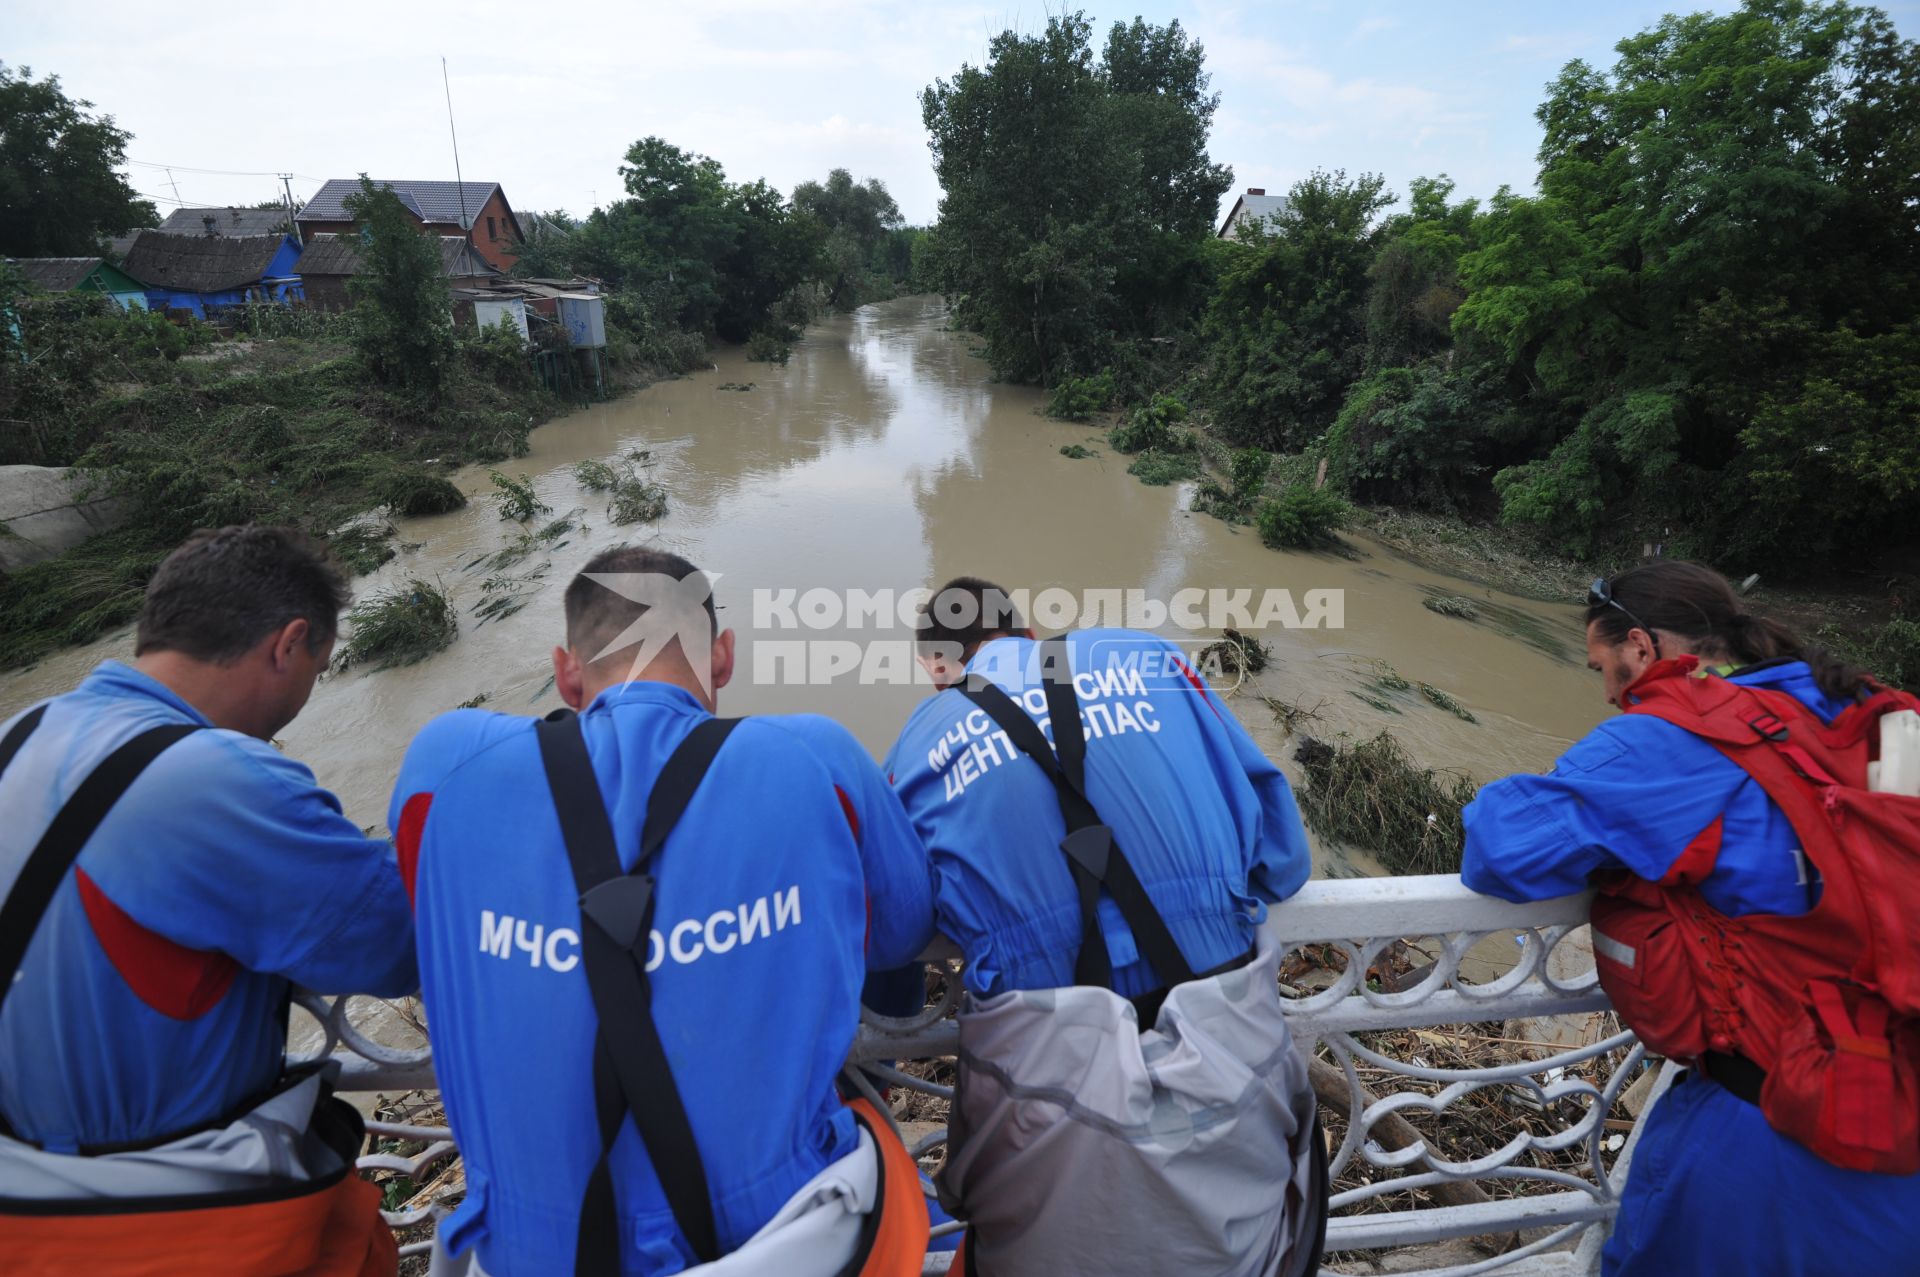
631,1073
1093,856
46,865
18,736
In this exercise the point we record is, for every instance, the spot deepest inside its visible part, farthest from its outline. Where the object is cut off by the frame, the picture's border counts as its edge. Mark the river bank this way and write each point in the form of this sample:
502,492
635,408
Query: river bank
282,428
883,457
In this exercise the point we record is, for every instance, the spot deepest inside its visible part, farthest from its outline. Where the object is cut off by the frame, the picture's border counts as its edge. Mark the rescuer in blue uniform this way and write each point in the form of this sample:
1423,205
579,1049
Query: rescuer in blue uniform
150,1001
1712,1187
1207,821
792,869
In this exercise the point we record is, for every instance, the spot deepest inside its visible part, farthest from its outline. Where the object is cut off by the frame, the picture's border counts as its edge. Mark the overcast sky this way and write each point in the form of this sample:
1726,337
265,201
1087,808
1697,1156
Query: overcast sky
547,98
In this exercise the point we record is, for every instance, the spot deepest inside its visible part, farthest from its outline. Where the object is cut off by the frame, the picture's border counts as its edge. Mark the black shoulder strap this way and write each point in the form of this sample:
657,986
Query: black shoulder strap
1092,854
17,735
46,865
631,1073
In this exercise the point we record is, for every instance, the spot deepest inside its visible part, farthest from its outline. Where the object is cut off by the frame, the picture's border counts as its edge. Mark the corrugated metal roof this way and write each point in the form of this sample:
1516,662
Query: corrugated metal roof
340,255
55,274
429,201
226,221
200,263
1255,206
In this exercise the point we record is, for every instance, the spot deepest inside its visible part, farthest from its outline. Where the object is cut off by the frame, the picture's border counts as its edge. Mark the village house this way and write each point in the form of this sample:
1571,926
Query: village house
1253,207
476,210
196,273
331,260
83,275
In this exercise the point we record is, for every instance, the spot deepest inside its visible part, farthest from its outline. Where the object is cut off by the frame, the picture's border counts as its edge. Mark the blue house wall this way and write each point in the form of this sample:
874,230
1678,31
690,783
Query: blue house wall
278,284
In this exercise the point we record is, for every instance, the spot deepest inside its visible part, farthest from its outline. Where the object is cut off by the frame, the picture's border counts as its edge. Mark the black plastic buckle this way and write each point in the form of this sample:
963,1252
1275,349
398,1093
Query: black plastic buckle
1091,848
619,907
1777,733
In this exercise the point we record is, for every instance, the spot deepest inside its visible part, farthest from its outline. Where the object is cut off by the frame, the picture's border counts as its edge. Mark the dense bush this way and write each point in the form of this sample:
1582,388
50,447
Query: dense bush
1079,398
1153,426
1157,469
1302,517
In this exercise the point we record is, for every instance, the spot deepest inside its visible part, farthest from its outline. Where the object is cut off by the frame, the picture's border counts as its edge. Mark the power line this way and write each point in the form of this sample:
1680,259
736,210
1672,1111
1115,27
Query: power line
222,172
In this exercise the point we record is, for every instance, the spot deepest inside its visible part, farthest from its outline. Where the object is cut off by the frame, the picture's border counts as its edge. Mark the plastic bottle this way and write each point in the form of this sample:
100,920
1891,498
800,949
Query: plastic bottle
1898,771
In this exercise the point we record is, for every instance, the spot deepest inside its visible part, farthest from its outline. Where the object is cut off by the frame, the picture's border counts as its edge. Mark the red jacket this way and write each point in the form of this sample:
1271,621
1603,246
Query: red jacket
1824,1002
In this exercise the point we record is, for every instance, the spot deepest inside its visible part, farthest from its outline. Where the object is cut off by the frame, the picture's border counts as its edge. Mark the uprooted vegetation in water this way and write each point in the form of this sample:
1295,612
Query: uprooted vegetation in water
400,626
515,498
1233,655
1371,794
363,545
636,500
1543,636
1388,690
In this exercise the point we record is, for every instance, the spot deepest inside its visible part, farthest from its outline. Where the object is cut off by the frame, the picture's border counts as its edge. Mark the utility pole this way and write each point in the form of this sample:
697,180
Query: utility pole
466,225
286,184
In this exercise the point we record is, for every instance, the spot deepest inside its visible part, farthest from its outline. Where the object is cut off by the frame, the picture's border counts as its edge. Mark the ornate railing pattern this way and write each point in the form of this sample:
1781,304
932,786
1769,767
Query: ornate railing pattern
1551,1189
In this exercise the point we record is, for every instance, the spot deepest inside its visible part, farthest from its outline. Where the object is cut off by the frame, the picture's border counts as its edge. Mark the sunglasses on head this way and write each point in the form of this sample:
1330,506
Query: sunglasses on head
1600,594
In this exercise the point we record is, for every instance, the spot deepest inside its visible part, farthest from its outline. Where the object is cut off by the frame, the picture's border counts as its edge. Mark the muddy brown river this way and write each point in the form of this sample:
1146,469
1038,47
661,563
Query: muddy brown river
881,458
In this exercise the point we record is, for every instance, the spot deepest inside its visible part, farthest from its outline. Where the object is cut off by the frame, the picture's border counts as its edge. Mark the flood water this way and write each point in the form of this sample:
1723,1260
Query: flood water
883,457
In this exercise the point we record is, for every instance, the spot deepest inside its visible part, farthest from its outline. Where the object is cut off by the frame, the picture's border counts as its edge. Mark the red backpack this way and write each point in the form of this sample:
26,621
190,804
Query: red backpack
1824,1002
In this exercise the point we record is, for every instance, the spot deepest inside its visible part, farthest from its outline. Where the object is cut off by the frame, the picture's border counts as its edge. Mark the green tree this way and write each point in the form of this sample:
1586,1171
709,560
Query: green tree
1289,320
1737,183
1076,194
403,327
61,193
859,221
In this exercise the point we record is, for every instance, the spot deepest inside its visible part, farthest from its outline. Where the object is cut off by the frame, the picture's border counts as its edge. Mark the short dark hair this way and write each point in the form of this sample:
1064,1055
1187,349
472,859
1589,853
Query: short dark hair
223,590
596,615
963,614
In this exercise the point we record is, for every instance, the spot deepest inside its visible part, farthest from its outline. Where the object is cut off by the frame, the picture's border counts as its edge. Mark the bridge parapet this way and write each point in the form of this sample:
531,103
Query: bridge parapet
1523,1139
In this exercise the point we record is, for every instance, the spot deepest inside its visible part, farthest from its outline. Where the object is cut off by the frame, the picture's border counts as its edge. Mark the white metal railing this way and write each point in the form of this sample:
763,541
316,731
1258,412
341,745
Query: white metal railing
1549,1190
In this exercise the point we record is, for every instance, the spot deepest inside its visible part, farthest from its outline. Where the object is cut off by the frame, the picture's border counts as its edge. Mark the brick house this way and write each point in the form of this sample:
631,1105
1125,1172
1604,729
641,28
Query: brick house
437,206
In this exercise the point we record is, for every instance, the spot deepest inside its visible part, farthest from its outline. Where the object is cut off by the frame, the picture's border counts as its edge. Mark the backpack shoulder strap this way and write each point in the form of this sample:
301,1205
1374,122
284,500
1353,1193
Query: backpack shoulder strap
1092,854
631,1074
46,865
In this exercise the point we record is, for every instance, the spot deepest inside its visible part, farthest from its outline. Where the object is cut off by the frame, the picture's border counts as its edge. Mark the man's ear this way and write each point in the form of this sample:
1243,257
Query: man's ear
721,668
285,641
569,679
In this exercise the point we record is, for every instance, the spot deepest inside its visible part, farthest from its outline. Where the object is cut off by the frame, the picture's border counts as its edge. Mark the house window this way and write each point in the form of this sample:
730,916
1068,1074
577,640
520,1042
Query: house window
490,234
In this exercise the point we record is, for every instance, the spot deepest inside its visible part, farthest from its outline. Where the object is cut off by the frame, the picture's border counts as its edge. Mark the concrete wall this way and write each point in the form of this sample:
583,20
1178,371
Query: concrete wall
41,514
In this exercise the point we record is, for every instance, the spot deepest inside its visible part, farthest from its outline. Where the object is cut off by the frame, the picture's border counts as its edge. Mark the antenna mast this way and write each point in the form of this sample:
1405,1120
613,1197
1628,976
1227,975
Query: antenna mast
466,226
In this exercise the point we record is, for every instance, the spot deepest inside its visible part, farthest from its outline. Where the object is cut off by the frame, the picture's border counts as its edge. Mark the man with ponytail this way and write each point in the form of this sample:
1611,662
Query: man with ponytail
1754,923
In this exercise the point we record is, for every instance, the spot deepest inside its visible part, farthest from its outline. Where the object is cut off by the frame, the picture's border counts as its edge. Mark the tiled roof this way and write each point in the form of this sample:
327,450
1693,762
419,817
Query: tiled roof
434,202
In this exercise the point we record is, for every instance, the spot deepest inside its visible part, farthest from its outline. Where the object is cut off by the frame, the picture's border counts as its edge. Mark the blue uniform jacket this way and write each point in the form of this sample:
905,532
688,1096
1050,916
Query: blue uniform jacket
1208,823
150,999
1712,1188
792,869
